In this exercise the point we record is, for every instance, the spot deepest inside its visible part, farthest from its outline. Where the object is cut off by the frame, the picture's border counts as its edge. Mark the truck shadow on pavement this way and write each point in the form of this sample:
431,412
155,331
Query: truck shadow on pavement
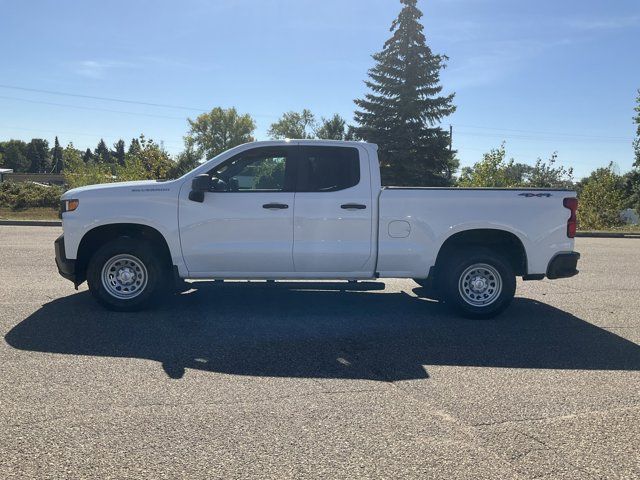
321,330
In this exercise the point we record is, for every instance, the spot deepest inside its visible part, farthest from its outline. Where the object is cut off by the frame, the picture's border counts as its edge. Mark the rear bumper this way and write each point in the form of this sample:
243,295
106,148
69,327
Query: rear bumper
563,265
66,267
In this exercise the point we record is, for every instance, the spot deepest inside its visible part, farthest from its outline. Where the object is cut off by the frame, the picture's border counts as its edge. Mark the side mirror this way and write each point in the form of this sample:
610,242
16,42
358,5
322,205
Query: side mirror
199,185
218,185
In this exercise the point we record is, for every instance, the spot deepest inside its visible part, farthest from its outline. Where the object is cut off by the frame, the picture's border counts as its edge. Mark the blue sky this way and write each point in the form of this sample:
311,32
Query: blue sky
543,76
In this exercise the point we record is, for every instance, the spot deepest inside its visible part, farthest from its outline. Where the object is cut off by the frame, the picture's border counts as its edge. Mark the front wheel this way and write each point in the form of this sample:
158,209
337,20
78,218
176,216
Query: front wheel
126,275
479,283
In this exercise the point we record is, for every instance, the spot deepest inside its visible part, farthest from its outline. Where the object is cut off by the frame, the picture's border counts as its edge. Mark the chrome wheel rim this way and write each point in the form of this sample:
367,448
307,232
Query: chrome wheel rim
480,285
124,276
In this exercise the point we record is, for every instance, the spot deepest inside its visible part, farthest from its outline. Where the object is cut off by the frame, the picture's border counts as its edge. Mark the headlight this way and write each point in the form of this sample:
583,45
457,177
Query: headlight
69,205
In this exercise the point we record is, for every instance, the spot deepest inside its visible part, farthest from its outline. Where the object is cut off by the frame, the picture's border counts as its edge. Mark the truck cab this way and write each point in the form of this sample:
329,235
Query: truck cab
283,211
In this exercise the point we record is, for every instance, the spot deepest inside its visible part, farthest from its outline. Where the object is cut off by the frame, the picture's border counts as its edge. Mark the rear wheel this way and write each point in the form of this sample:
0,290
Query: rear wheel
126,274
479,283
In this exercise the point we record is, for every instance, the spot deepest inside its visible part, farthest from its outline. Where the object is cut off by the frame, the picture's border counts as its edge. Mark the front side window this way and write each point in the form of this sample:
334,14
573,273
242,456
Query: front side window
328,169
259,170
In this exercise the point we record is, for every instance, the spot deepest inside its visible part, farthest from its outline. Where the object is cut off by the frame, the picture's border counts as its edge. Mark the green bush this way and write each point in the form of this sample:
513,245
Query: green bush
601,199
19,196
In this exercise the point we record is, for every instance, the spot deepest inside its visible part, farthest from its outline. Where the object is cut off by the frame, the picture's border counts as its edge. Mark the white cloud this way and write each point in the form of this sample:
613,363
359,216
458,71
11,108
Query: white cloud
612,23
98,68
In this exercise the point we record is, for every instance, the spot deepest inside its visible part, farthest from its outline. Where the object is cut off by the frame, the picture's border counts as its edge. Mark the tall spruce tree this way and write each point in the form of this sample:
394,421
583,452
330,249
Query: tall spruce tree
56,157
102,153
118,152
402,111
134,147
88,156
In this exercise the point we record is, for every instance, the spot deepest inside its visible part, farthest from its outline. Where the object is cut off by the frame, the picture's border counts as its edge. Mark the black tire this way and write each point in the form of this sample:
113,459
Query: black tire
153,268
487,300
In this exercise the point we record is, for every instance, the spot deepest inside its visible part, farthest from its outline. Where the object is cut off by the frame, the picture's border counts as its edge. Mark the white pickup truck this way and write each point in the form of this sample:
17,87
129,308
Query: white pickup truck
311,210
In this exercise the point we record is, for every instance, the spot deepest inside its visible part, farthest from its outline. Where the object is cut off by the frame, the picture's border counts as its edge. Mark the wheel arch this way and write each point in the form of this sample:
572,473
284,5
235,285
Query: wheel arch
98,236
504,242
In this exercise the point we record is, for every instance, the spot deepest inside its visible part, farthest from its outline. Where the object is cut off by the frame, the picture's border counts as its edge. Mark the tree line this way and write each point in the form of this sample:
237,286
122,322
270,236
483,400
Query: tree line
401,111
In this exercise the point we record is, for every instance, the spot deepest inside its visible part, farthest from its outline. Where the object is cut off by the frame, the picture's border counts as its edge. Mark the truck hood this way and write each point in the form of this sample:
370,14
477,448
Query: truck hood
124,186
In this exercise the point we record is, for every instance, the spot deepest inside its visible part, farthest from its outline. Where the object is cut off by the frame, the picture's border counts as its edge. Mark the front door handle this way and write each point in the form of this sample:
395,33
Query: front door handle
353,206
275,206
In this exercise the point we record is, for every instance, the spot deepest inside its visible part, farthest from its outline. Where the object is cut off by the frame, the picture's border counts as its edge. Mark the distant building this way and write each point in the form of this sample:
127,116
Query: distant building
4,171
50,178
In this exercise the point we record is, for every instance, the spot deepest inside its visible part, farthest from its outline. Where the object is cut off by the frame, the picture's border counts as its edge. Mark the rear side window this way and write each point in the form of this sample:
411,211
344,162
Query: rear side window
328,169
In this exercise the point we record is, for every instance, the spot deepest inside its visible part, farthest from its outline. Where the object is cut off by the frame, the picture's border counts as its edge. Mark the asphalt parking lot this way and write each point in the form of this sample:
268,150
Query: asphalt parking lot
315,380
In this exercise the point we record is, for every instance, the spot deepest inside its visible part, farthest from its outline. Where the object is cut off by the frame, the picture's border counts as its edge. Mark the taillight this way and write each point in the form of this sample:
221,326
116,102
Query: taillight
572,223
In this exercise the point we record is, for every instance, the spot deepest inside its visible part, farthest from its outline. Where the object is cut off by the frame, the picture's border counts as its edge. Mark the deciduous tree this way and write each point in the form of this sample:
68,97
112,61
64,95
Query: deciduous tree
636,142
632,179
38,155
78,172
601,200
14,155
334,128
151,161
298,125
494,170
218,130
186,161
549,175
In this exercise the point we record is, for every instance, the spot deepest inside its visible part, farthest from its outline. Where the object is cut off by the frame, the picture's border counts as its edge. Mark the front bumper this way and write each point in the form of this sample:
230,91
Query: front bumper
66,267
563,265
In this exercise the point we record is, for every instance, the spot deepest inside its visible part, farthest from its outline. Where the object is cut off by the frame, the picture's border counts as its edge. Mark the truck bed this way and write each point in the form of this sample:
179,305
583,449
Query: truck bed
416,221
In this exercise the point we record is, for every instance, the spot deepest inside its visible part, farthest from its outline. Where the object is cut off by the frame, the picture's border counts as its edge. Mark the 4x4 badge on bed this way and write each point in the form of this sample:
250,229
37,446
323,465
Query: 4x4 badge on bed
527,194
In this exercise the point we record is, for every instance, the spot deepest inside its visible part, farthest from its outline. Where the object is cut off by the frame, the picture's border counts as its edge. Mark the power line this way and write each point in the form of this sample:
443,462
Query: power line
542,138
181,107
108,99
543,133
90,108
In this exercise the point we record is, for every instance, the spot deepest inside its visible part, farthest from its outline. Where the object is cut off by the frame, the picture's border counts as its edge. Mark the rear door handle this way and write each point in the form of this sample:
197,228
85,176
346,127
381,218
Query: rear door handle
275,206
353,206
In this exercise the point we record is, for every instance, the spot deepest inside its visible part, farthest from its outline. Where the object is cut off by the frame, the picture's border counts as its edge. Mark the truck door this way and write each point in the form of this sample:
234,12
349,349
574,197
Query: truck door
244,228
333,212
